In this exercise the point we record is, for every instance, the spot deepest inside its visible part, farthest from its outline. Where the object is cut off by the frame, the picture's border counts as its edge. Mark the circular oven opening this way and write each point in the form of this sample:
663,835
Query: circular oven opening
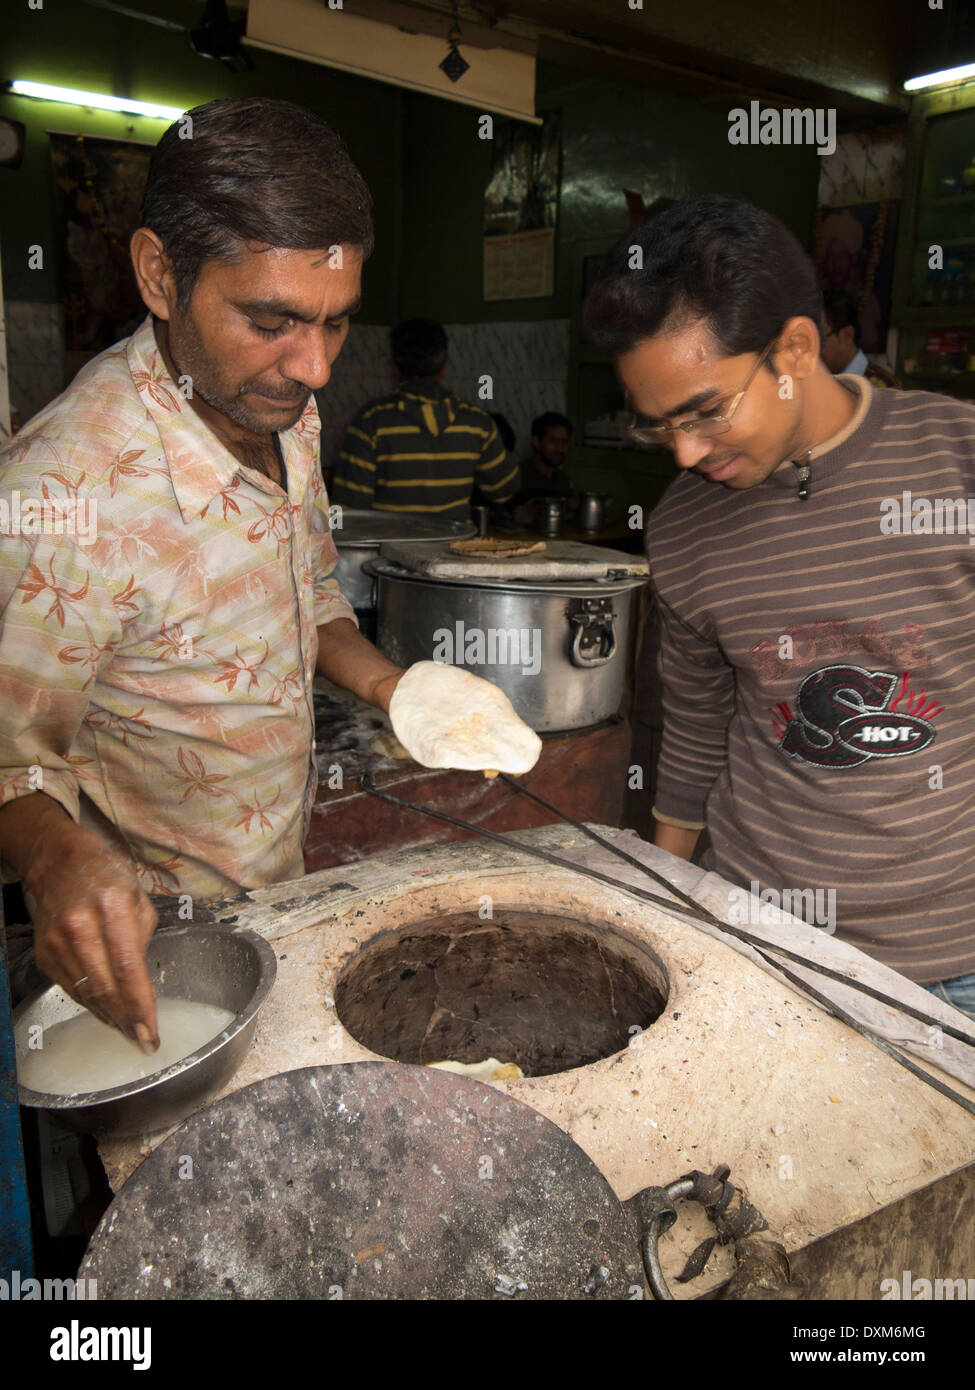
546,991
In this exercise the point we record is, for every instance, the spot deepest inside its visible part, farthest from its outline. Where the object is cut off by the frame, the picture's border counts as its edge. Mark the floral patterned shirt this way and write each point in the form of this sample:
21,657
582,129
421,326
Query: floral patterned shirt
158,612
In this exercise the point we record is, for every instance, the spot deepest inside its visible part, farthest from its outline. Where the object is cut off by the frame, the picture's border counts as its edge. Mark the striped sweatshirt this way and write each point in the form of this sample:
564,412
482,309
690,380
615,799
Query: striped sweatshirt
818,667
421,449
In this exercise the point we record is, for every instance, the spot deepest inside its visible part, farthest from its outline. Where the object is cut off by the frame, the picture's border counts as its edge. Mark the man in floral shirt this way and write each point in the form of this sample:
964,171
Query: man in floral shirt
164,573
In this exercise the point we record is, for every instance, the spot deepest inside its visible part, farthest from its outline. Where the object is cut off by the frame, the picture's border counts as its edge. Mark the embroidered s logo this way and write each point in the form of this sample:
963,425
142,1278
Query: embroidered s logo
846,716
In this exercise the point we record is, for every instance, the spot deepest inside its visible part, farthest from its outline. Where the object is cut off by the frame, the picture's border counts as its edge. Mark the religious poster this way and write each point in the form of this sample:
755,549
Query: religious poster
853,248
520,208
98,186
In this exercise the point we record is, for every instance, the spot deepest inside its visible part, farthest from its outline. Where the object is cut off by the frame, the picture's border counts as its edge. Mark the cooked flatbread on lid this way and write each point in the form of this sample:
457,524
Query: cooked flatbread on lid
488,548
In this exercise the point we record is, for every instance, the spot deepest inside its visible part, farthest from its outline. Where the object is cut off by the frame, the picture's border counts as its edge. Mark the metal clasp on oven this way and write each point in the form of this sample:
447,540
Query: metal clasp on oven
594,632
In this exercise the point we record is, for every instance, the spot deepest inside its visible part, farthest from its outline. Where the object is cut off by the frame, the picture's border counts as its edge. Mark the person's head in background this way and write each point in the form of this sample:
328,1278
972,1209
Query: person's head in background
713,314
419,349
255,227
550,438
504,430
841,338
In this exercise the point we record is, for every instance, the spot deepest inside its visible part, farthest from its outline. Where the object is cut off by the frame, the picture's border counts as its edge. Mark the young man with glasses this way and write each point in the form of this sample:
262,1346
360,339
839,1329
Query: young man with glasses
818,625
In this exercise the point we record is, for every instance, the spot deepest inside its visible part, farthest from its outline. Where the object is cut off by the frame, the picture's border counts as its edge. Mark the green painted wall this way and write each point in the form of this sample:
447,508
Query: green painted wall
614,136
421,156
73,45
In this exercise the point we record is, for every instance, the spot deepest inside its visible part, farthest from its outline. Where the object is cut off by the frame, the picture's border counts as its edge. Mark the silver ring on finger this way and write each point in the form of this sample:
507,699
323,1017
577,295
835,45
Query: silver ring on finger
82,981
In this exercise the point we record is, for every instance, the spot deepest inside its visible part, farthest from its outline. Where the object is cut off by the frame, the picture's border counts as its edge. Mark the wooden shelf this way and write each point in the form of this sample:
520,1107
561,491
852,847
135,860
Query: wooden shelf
950,200
908,315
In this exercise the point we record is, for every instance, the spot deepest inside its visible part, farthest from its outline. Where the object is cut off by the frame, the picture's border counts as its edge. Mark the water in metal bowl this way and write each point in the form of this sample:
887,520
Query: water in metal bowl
233,970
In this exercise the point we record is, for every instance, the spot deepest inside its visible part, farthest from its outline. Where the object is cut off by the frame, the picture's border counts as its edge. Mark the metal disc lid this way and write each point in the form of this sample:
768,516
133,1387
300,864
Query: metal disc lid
366,1180
557,562
369,528
611,582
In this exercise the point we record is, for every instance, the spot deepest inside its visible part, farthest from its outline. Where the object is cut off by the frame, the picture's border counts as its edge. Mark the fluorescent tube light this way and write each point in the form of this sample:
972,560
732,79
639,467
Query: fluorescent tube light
937,79
97,99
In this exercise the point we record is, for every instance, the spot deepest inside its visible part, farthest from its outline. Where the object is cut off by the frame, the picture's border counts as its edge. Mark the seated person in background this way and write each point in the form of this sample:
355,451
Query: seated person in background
544,473
421,448
840,346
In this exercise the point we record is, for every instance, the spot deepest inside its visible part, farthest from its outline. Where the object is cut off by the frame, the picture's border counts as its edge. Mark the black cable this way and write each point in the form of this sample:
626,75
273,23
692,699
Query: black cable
882,1043
693,909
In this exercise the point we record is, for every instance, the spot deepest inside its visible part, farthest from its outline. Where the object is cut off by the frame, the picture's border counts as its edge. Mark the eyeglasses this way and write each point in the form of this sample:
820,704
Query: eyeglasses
703,427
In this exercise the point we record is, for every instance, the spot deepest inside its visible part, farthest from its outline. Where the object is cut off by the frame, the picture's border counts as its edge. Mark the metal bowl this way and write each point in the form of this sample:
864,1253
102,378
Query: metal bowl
231,969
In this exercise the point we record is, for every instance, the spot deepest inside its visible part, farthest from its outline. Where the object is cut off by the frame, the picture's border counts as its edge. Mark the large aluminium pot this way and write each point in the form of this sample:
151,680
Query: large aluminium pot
557,650
360,535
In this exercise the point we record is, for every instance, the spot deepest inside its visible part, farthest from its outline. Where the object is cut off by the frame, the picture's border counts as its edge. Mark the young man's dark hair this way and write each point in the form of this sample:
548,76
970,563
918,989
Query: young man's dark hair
252,169
549,421
840,309
732,264
419,347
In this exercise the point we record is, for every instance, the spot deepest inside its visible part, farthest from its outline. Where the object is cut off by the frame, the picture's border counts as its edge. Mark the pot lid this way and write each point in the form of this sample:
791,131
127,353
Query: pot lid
610,583
367,1180
361,527
554,561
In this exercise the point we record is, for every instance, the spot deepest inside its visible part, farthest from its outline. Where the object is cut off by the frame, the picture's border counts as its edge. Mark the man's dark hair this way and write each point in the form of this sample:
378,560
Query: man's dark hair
252,169
718,259
550,420
419,347
841,311
504,429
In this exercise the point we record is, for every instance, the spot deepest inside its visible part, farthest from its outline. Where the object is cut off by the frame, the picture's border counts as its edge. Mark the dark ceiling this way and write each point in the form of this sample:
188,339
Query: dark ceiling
850,54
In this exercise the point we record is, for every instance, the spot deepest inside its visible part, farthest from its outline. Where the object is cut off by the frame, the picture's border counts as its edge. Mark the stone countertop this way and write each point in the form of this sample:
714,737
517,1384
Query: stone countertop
353,735
740,1068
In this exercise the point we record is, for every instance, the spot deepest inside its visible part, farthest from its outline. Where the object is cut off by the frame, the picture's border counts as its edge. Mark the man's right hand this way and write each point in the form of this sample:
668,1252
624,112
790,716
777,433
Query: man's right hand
92,920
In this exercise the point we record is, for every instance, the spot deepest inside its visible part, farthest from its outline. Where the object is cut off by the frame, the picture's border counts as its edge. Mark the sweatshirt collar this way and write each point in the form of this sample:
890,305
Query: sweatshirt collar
840,448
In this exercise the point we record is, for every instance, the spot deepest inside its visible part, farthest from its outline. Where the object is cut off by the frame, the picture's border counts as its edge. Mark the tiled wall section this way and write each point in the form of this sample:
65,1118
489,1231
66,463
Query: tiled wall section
35,356
527,361
867,166
529,364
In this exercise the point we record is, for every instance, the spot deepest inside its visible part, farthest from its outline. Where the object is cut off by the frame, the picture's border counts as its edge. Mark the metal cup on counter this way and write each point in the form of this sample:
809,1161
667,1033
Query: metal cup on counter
480,517
592,512
551,514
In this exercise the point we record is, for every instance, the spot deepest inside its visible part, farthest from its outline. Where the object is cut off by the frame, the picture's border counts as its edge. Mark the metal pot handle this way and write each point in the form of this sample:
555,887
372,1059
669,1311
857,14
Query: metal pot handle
591,620
763,1268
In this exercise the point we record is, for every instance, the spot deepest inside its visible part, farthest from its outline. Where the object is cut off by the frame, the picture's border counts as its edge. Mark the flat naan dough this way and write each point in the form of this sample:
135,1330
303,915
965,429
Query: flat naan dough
445,716
489,1070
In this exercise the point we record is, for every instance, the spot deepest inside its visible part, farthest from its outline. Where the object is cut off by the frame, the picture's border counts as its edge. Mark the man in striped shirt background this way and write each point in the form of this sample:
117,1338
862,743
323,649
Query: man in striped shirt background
421,449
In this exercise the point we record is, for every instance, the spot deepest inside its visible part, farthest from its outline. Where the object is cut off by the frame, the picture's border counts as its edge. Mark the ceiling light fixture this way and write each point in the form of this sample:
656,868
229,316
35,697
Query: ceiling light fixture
940,79
72,97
